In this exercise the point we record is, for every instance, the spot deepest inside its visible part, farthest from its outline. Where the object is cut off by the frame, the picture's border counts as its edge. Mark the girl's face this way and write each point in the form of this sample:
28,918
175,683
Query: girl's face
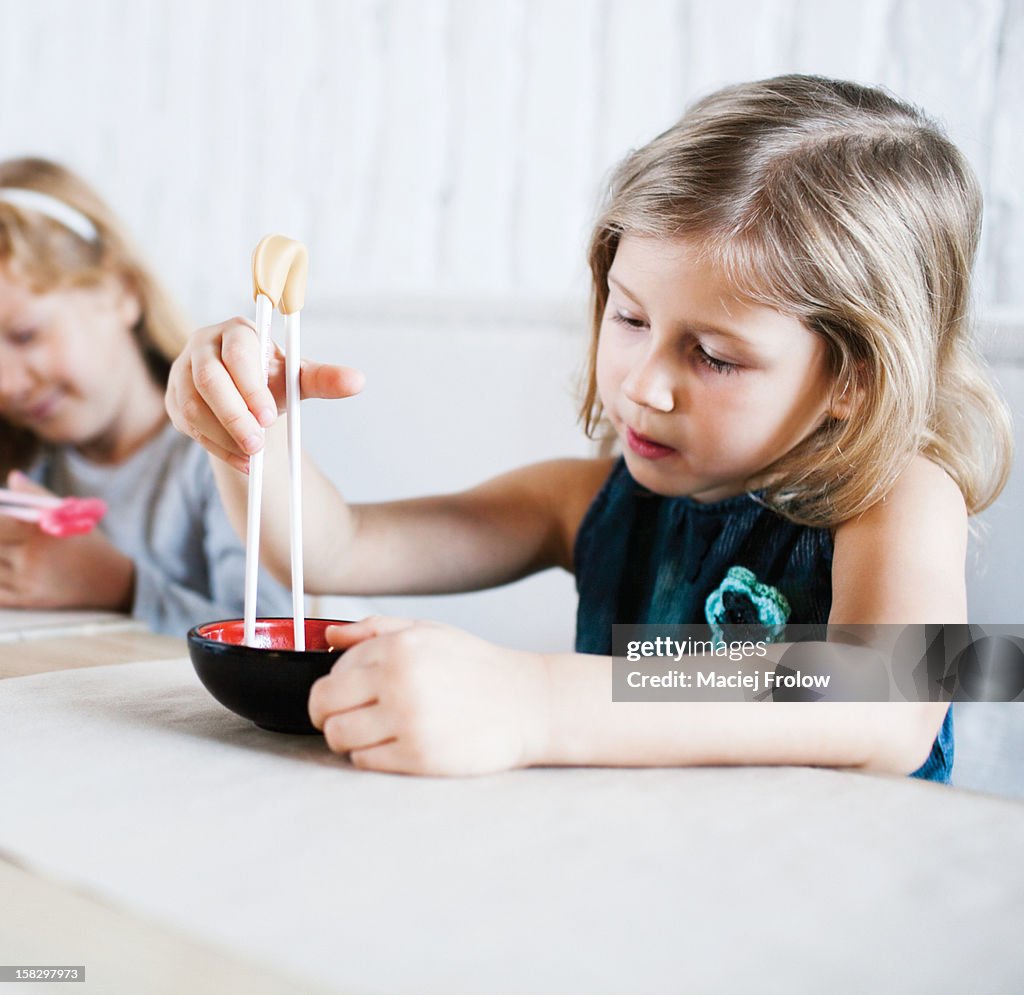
69,364
703,389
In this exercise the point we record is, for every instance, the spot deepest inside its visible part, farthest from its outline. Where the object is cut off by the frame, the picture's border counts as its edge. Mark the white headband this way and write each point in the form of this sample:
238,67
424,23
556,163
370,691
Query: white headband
51,207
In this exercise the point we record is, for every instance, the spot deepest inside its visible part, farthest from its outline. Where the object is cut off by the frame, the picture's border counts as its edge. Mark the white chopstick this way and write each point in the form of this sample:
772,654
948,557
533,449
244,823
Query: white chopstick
292,362
264,311
279,268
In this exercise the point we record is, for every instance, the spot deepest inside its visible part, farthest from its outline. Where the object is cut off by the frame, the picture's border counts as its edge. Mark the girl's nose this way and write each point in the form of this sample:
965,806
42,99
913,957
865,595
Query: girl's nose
649,384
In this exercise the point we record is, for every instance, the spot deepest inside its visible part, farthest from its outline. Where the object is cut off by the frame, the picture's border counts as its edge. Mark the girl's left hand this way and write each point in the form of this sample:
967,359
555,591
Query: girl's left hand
425,698
42,571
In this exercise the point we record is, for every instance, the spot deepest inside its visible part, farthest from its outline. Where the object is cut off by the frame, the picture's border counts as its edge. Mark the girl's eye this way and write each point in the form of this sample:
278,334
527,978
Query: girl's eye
706,359
628,320
718,365
23,337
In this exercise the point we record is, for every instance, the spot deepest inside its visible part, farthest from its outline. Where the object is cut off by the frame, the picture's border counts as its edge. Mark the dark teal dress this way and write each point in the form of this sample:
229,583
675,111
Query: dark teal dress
644,558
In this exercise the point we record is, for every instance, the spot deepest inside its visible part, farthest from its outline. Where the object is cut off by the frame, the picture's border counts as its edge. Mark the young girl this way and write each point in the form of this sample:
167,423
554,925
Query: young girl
781,348
87,337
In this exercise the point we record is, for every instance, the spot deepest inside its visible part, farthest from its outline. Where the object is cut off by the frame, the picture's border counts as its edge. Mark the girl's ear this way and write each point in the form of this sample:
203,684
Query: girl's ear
844,401
129,302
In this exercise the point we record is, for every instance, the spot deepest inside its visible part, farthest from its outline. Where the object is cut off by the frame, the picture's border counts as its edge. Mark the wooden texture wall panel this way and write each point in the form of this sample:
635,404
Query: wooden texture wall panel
1003,272
451,149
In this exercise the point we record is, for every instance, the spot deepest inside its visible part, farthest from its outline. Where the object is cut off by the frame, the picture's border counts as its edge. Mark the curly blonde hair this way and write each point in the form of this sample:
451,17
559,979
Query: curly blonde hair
850,210
49,256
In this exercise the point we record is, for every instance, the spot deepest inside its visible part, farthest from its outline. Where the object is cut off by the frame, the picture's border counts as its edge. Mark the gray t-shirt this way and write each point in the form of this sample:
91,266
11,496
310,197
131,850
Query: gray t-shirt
165,513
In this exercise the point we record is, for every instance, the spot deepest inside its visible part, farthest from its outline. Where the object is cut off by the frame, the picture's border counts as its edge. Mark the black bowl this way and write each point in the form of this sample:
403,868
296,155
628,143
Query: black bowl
268,683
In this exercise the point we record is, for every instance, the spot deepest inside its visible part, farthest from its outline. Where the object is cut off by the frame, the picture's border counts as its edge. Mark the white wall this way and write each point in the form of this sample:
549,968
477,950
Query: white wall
441,158
449,402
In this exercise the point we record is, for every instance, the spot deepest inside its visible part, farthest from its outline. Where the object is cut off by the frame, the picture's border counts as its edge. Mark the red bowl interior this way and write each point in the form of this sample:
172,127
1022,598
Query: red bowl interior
271,633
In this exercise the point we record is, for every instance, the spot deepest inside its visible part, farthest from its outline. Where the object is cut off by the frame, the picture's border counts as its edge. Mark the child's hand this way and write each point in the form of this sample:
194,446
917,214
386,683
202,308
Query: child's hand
216,392
425,698
42,571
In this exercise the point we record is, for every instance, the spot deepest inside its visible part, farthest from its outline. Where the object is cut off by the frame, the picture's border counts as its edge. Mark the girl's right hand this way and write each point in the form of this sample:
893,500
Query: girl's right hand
216,393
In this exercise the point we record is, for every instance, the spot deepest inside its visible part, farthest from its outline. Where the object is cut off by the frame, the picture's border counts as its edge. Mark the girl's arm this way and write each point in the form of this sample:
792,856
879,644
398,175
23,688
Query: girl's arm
497,532
903,561
416,698
586,727
506,528
424,698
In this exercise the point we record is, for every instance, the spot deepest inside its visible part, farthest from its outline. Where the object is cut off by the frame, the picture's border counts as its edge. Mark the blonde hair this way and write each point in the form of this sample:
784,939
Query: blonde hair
50,256
850,210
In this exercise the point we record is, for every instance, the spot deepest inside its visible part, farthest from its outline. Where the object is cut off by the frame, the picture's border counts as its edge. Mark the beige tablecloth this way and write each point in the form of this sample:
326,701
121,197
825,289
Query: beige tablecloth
130,781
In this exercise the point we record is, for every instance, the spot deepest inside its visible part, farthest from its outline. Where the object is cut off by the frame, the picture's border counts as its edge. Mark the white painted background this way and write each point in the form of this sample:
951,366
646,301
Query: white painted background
442,159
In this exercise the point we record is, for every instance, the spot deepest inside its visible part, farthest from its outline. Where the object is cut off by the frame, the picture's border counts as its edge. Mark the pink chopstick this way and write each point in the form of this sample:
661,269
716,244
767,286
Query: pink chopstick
59,516
31,500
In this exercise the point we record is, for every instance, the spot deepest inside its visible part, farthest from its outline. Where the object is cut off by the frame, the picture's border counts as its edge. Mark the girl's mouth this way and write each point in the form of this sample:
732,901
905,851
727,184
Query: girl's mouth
647,448
43,408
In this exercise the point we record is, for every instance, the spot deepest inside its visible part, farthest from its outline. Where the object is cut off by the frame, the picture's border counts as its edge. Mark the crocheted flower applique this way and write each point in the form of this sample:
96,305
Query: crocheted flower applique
741,607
